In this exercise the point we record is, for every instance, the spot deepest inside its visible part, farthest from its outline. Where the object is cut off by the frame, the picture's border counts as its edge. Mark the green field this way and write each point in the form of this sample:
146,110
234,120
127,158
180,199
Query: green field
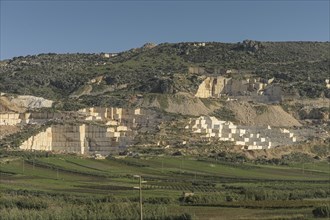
72,187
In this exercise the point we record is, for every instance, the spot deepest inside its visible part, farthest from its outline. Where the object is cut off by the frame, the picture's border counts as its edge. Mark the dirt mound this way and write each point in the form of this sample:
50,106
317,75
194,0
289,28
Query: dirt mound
7,106
277,117
7,130
180,103
262,115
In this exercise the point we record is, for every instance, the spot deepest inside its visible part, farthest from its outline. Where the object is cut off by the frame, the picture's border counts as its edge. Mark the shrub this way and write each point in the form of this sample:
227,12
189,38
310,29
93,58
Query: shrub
322,211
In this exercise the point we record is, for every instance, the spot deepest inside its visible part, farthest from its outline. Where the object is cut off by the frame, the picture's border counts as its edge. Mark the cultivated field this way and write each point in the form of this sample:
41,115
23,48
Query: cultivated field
45,186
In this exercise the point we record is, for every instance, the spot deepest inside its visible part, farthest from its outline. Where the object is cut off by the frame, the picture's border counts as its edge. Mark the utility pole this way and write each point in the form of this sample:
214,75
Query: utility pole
140,192
23,165
181,165
34,159
303,170
141,213
162,165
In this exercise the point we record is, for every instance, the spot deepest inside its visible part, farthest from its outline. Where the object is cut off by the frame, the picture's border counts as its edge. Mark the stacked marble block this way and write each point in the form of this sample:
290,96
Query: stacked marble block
14,118
116,133
82,139
27,118
248,137
10,119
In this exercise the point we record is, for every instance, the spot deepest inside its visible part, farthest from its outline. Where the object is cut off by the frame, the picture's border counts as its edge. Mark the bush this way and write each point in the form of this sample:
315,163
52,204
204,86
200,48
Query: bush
159,200
322,211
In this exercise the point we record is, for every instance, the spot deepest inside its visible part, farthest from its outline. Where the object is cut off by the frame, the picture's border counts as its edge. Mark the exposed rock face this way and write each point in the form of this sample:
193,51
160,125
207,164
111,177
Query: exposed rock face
196,70
149,45
7,106
118,131
212,87
27,118
250,46
42,141
10,119
31,102
82,139
217,86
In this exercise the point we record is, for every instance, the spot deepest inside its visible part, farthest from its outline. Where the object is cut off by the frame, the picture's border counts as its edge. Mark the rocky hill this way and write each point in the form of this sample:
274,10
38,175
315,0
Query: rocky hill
250,83
300,67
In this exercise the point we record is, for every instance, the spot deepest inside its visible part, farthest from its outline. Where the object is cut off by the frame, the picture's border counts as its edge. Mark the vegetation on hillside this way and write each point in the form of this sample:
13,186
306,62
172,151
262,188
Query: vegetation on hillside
300,67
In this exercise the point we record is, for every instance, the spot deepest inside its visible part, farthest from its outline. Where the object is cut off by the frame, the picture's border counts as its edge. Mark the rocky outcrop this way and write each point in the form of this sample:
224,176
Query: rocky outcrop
31,102
212,87
28,118
10,119
149,45
254,89
7,106
42,141
250,46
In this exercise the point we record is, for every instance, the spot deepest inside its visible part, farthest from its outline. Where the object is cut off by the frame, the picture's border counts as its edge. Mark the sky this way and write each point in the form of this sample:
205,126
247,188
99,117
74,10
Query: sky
33,27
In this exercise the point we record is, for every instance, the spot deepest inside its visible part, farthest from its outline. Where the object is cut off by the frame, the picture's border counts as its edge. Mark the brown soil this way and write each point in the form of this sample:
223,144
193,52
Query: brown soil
188,105
182,103
273,115
8,130
7,106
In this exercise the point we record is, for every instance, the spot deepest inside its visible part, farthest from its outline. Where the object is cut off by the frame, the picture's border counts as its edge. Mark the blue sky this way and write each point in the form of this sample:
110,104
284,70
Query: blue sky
32,27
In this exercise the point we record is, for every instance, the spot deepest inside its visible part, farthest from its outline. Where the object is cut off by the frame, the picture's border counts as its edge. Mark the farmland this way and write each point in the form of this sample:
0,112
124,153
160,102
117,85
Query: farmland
46,186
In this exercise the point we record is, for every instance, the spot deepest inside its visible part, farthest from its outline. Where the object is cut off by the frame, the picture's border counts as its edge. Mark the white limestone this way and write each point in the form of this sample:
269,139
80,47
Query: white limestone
118,131
217,86
252,139
82,139
31,102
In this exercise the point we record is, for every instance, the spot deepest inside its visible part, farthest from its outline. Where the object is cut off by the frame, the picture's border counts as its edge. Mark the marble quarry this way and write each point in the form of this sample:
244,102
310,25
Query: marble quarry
12,118
116,131
257,89
81,139
251,138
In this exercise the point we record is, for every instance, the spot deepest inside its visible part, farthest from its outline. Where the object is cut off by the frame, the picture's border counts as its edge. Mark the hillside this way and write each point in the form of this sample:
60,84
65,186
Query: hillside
212,130
300,67
248,87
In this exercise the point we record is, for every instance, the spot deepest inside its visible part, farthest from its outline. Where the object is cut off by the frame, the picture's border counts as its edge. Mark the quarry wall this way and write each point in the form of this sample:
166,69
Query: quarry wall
12,118
117,132
81,139
256,89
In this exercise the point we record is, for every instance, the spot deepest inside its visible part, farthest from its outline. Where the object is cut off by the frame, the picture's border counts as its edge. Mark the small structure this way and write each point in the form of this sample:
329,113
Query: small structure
108,55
